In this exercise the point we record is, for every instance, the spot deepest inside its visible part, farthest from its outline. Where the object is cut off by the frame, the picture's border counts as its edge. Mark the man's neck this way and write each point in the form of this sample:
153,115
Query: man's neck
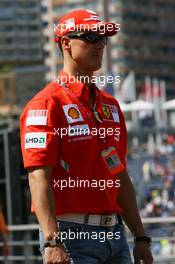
80,75
84,77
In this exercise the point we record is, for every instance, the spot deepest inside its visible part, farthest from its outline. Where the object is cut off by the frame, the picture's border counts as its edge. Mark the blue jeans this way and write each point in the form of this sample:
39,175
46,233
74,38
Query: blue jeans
96,245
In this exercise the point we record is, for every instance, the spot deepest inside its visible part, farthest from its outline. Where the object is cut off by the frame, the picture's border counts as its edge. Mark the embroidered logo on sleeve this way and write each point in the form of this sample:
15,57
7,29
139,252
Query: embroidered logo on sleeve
36,117
35,140
110,113
115,113
107,111
72,113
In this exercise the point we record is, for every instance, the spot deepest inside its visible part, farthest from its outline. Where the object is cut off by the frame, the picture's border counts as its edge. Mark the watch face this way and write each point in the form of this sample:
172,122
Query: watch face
53,243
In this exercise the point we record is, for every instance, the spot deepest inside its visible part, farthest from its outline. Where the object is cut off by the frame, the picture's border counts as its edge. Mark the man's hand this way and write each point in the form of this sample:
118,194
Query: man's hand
142,252
56,255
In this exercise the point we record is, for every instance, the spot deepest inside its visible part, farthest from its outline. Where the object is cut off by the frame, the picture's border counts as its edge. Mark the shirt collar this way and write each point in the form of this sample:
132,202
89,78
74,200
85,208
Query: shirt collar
78,88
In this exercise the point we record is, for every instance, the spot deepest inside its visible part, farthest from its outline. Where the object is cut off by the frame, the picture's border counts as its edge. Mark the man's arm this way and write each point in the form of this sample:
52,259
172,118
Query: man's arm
43,201
127,200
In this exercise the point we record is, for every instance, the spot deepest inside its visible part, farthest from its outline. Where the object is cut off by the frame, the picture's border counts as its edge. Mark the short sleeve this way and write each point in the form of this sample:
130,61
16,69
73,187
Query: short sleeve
39,143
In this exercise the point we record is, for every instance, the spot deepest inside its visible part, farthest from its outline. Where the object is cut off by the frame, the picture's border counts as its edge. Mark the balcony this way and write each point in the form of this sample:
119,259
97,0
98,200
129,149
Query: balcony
10,57
28,33
7,34
27,22
27,11
7,47
26,46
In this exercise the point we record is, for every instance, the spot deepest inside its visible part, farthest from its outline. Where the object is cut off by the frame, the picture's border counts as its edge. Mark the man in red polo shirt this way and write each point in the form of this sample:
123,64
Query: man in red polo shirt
74,143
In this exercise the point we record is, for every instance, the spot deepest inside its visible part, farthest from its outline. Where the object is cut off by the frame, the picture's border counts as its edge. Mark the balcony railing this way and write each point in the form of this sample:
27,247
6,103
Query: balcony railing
28,246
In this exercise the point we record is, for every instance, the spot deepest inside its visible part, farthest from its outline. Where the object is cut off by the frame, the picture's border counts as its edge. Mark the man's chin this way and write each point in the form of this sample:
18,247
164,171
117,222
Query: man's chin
97,67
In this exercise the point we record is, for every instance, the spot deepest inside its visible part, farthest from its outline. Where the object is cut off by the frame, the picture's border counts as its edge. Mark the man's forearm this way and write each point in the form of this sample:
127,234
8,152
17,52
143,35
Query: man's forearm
127,200
42,199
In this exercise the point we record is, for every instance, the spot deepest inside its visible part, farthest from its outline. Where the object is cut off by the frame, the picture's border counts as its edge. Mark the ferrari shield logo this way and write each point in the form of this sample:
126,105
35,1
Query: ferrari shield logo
106,111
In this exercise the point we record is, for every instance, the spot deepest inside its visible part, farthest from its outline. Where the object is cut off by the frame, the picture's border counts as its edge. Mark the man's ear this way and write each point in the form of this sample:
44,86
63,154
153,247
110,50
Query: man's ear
65,43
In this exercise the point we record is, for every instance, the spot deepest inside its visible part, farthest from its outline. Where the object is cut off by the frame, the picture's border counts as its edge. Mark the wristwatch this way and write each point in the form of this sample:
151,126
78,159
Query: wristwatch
142,239
53,243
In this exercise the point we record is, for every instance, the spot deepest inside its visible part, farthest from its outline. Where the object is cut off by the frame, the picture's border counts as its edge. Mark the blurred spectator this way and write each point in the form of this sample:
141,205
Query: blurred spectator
156,190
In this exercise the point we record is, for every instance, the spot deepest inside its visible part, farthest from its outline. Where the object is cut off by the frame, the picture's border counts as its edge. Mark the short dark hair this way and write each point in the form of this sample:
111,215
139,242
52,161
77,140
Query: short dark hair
60,46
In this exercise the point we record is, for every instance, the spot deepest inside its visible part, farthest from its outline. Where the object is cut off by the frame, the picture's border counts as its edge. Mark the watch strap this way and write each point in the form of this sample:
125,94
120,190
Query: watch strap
53,243
142,239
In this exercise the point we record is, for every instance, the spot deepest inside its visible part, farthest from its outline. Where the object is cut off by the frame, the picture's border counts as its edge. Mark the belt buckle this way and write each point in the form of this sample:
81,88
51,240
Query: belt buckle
106,220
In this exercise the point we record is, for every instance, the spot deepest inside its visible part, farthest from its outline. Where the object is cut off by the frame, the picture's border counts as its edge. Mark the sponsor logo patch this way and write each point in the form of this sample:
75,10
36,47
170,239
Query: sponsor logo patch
35,140
110,113
79,130
107,111
69,23
115,114
72,113
36,117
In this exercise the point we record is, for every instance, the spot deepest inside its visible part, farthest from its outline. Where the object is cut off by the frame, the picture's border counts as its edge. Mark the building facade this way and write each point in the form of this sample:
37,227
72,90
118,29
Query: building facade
21,45
145,43
53,10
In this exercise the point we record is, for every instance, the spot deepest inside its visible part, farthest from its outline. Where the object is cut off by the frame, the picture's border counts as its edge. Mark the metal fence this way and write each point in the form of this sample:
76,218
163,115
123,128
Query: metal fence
24,245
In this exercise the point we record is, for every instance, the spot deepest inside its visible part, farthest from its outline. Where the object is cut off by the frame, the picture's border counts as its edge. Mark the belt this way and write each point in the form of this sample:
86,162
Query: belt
92,219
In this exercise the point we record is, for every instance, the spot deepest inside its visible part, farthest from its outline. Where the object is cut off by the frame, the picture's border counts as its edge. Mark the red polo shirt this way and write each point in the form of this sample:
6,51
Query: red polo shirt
51,135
